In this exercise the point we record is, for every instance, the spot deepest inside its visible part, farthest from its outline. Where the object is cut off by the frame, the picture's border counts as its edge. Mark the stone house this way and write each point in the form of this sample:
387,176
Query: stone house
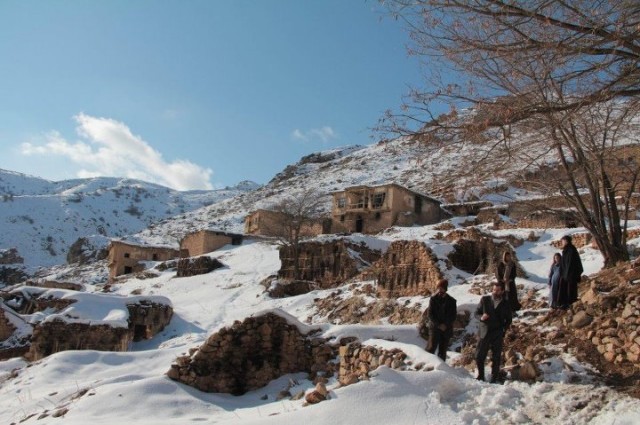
370,209
204,241
125,258
264,222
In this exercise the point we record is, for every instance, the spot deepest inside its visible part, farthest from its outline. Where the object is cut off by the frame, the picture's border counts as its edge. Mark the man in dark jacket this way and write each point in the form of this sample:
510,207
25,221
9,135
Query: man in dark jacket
442,313
571,267
495,318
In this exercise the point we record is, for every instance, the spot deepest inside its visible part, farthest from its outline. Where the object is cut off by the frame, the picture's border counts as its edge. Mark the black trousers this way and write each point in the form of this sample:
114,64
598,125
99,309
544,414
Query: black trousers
440,340
492,341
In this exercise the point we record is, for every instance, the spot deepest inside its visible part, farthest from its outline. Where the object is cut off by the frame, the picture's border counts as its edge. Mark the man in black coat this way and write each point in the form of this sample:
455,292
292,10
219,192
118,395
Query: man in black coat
571,272
495,318
442,313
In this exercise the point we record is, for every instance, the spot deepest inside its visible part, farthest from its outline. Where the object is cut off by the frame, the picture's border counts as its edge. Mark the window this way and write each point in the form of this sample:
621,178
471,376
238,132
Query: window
155,257
127,255
342,202
377,216
378,200
342,218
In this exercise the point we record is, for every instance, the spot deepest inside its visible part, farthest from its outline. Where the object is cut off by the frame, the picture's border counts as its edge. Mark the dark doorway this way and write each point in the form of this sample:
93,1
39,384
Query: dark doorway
418,205
359,224
128,269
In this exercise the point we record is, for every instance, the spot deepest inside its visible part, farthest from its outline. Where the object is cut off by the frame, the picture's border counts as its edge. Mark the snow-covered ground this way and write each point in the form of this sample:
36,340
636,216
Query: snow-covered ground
92,387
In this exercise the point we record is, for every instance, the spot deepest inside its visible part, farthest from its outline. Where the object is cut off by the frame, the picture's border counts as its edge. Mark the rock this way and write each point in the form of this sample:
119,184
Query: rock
317,395
580,320
525,372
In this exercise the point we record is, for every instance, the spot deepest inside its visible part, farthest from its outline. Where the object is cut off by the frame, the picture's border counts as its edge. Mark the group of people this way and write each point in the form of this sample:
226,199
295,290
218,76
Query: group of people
564,276
496,310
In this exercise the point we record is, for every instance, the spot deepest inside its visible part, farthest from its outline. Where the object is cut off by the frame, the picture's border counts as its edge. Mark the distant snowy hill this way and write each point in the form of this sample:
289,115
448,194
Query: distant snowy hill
42,218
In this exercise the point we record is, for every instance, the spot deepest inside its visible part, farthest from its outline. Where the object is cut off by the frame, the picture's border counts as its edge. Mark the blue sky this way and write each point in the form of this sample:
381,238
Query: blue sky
192,94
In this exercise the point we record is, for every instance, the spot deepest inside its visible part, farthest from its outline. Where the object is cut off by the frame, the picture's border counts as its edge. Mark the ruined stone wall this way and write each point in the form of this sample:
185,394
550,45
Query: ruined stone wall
579,240
195,266
328,264
467,208
248,355
56,335
6,328
477,253
547,220
608,315
408,268
356,361
148,319
56,284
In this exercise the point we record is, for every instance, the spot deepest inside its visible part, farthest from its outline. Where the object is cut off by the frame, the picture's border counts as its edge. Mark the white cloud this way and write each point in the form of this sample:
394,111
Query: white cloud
323,134
109,148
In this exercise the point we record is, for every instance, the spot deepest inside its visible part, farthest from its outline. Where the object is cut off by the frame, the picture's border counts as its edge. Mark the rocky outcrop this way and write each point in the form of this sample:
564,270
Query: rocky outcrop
328,264
12,275
250,354
82,251
408,268
10,256
195,266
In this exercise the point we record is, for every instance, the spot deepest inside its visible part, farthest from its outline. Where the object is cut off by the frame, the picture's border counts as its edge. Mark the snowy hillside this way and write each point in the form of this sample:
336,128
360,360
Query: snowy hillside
42,218
429,169
80,387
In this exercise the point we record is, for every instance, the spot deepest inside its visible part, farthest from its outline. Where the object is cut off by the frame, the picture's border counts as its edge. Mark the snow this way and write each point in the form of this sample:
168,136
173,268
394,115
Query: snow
131,387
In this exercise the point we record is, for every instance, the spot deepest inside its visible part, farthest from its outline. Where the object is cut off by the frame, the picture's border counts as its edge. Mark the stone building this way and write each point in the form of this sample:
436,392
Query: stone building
264,222
204,241
370,209
125,258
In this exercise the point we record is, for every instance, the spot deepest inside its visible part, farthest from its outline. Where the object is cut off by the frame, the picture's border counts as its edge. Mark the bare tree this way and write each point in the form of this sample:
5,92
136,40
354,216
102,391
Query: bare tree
568,71
293,219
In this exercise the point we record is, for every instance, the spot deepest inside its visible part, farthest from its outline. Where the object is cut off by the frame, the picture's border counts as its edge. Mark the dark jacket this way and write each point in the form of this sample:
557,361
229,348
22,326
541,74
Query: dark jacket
442,310
499,317
571,265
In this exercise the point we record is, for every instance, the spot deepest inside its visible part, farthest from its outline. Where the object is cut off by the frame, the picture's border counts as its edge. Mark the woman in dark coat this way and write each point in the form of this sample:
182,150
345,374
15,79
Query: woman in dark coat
506,273
571,267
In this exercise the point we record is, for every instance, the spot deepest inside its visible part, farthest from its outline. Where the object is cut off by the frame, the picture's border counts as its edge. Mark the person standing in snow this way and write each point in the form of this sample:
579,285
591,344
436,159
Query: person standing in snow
571,267
555,274
442,313
506,273
494,314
